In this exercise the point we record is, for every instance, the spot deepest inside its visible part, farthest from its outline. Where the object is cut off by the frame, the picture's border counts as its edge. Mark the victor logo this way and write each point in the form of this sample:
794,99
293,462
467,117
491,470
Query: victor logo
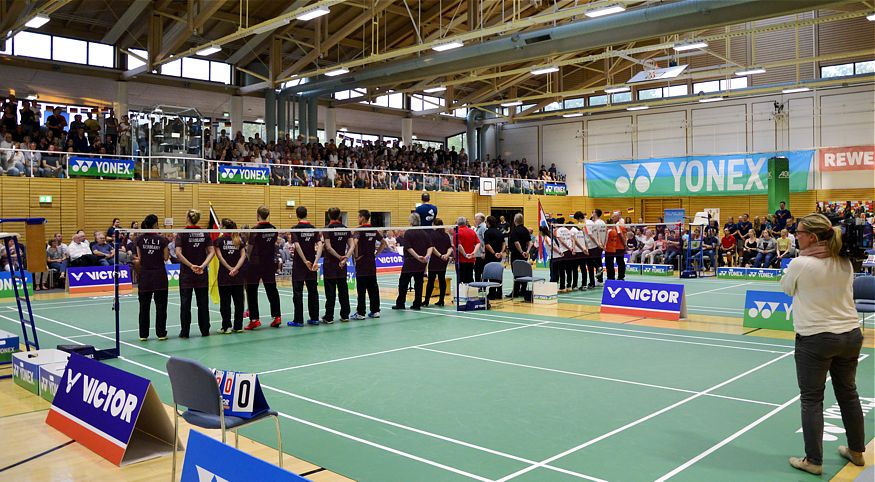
204,475
645,294
641,182
77,276
103,396
766,309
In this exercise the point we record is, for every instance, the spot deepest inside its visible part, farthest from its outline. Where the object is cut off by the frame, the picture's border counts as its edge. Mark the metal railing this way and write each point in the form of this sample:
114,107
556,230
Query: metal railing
35,163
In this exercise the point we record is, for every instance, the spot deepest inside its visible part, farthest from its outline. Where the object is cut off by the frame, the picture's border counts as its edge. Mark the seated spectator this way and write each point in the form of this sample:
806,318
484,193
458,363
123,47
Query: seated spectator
80,252
766,248
657,251
709,247
785,248
647,246
749,249
56,258
727,249
672,247
103,250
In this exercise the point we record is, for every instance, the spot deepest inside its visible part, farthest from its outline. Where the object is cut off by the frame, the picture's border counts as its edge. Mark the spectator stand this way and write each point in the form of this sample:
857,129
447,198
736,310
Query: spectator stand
35,232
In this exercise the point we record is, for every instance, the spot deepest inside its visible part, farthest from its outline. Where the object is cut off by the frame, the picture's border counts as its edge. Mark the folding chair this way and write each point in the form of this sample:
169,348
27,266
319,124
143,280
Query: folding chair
522,273
864,295
493,275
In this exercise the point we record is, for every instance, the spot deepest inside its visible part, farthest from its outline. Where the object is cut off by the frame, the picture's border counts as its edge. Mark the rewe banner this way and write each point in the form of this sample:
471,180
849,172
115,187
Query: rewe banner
102,167
722,175
856,158
244,174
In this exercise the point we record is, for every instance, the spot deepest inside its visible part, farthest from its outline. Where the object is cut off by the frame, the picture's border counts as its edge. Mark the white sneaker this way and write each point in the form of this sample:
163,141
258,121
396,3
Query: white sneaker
357,317
374,314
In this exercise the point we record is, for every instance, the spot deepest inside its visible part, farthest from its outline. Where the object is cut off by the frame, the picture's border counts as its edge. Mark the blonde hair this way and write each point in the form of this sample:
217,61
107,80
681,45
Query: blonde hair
820,226
229,223
193,216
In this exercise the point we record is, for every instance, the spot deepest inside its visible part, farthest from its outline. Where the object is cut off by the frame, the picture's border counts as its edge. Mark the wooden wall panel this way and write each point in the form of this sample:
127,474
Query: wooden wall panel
181,200
239,206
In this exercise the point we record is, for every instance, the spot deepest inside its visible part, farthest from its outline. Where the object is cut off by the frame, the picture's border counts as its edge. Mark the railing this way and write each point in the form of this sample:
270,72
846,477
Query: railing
34,163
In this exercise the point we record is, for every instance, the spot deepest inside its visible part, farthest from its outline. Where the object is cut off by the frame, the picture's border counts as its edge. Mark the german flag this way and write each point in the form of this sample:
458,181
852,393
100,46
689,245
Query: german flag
214,264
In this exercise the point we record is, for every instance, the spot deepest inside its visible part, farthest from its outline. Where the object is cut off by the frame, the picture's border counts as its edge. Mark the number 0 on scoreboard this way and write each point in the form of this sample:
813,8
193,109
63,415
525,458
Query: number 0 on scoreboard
241,393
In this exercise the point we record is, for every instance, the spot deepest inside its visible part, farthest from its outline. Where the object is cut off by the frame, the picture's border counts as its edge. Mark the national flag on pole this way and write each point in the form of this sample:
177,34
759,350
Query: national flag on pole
542,247
214,263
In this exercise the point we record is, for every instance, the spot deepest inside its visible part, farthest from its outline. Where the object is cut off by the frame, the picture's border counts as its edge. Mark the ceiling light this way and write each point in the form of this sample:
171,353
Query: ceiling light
871,17
447,46
32,97
512,104
212,49
316,12
617,90
568,116
638,107
343,129
545,70
260,120
272,26
37,21
226,114
683,47
794,90
751,71
435,89
710,99
413,136
606,10
336,72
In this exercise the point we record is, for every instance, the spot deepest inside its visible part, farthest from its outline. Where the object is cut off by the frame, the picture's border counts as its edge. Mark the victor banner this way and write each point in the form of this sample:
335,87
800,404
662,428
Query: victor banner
102,167
244,174
717,175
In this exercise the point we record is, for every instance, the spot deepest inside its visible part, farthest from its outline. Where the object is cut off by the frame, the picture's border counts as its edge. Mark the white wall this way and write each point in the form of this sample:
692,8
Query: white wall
563,144
847,120
662,135
609,138
520,142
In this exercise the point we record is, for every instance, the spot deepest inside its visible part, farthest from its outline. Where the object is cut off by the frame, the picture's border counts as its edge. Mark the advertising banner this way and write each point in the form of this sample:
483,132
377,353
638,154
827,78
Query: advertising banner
50,379
6,289
856,158
26,365
653,300
389,262
717,175
674,216
650,269
97,279
208,459
779,183
102,167
350,275
116,414
172,275
767,274
772,310
555,189
8,345
244,174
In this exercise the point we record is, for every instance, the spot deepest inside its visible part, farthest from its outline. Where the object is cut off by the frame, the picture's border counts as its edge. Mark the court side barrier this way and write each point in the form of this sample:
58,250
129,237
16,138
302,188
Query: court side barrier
665,301
756,274
209,459
6,280
98,279
114,413
650,269
26,366
772,310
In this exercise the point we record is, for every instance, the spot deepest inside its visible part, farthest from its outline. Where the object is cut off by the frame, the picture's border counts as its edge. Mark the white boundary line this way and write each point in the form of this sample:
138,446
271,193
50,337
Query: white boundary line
639,421
596,377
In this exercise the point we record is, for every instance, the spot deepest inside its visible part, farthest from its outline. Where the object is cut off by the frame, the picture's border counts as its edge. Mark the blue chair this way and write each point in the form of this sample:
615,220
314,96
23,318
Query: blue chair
864,294
493,277
195,388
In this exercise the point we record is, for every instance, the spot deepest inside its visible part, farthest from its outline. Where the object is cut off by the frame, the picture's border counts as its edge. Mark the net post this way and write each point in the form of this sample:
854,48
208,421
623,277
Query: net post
456,259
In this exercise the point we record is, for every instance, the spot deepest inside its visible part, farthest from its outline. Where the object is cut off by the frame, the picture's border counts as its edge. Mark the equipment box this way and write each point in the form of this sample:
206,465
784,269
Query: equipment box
49,379
25,366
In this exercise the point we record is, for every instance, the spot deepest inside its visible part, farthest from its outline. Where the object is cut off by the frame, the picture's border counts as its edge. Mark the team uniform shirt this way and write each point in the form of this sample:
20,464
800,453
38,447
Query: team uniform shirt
562,244
418,240
519,234
307,241
231,254
262,255
600,231
338,238
194,248
440,240
616,242
153,274
468,240
589,237
365,256
427,212
579,246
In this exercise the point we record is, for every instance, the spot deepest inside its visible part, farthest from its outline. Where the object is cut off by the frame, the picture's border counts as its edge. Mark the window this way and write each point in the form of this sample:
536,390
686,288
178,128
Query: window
134,62
867,67
349,94
598,100
575,103
396,100
172,68
524,107
100,55
718,85
420,102
842,70
679,90
553,106
193,68
706,87
29,44
461,112
458,141
621,97
660,92
735,83
69,50
647,94
221,72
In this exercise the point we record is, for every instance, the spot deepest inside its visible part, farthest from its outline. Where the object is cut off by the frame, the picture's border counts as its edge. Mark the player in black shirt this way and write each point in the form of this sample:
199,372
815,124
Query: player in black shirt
262,253
367,245
231,279
338,246
519,249
308,250
441,254
152,253
416,245
194,251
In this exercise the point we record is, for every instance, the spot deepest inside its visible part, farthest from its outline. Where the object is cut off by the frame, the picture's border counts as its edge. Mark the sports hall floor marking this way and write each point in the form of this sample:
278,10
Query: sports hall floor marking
640,420
36,456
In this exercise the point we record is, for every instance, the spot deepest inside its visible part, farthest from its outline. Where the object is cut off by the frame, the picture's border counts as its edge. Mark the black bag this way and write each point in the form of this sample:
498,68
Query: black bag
87,351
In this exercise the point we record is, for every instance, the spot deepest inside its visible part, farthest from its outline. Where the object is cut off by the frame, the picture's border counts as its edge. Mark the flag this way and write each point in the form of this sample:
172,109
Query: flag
542,223
214,263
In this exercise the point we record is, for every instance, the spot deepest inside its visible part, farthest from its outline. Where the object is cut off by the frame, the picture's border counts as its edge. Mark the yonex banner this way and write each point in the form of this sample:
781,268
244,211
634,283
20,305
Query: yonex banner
653,300
102,167
172,274
734,174
244,174
8,346
50,379
389,262
555,189
97,279
116,414
768,309
350,275
207,459
6,288
26,365
750,273
241,393
650,269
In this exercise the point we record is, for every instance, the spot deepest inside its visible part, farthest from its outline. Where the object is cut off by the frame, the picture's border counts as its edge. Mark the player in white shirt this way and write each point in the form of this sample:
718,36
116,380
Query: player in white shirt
581,252
562,244
599,233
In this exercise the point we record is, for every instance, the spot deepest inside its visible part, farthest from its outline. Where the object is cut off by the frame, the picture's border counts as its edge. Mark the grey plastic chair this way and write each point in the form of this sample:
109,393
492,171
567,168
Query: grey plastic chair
493,275
522,273
195,388
864,294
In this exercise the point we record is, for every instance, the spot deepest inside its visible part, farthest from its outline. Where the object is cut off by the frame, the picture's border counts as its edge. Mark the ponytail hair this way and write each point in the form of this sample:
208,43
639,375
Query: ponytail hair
149,222
820,226
229,223
193,216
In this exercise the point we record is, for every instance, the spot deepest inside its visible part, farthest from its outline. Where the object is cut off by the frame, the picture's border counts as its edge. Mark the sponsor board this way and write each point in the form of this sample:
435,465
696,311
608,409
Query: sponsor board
102,167
241,394
739,174
555,189
856,158
650,269
750,273
116,414
6,288
8,345
772,310
653,300
97,279
674,216
209,460
25,366
244,174
172,275
49,379
389,262
350,276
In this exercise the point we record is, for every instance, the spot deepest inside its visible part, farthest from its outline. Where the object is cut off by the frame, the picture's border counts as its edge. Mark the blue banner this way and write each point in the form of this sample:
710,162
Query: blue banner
750,273
102,167
555,189
388,261
674,216
207,459
6,288
652,300
729,174
244,174
768,309
97,278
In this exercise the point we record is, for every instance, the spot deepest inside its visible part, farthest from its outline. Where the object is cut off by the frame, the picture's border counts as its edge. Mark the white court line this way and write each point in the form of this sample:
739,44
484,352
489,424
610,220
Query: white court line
596,377
423,432
734,436
640,420
719,289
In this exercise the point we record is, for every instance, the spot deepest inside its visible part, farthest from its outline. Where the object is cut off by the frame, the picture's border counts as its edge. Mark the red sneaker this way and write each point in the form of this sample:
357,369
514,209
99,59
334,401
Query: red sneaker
253,324
246,314
276,323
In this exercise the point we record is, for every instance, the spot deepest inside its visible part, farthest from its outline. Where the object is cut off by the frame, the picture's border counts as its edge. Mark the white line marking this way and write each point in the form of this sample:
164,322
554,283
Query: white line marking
640,420
719,289
596,377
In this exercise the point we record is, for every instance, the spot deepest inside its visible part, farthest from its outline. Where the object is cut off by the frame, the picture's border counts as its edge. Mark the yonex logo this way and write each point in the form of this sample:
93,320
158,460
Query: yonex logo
81,165
172,274
641,183
766,309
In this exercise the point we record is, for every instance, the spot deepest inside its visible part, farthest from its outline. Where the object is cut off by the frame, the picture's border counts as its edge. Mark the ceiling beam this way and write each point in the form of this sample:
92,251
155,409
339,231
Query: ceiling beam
257,40
132,13
179,32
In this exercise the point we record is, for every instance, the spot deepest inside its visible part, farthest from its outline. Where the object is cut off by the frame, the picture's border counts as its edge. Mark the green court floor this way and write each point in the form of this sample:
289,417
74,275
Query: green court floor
439,395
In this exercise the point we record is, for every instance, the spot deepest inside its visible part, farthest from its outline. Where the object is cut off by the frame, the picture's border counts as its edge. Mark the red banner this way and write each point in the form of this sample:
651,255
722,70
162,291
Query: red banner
856,158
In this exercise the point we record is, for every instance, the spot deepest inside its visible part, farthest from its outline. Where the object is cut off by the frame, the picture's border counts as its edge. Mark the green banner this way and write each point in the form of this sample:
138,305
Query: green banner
244,174
779,183
756,274
102,167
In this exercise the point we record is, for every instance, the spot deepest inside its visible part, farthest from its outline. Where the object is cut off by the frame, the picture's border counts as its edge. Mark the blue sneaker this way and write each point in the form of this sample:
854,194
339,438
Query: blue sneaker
374,314
313,322
292,323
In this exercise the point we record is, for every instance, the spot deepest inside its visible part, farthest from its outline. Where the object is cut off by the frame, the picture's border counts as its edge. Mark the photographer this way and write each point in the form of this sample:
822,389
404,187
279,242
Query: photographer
828,338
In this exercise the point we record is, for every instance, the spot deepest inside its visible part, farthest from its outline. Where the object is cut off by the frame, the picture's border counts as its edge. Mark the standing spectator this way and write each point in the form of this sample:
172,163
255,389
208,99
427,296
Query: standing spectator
92,128
124,136
416,248
368,244
519,249
782,216
152,253
194,252
56,123
467,244
441,253
615,248
110,232
480,229
112,128
427,211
